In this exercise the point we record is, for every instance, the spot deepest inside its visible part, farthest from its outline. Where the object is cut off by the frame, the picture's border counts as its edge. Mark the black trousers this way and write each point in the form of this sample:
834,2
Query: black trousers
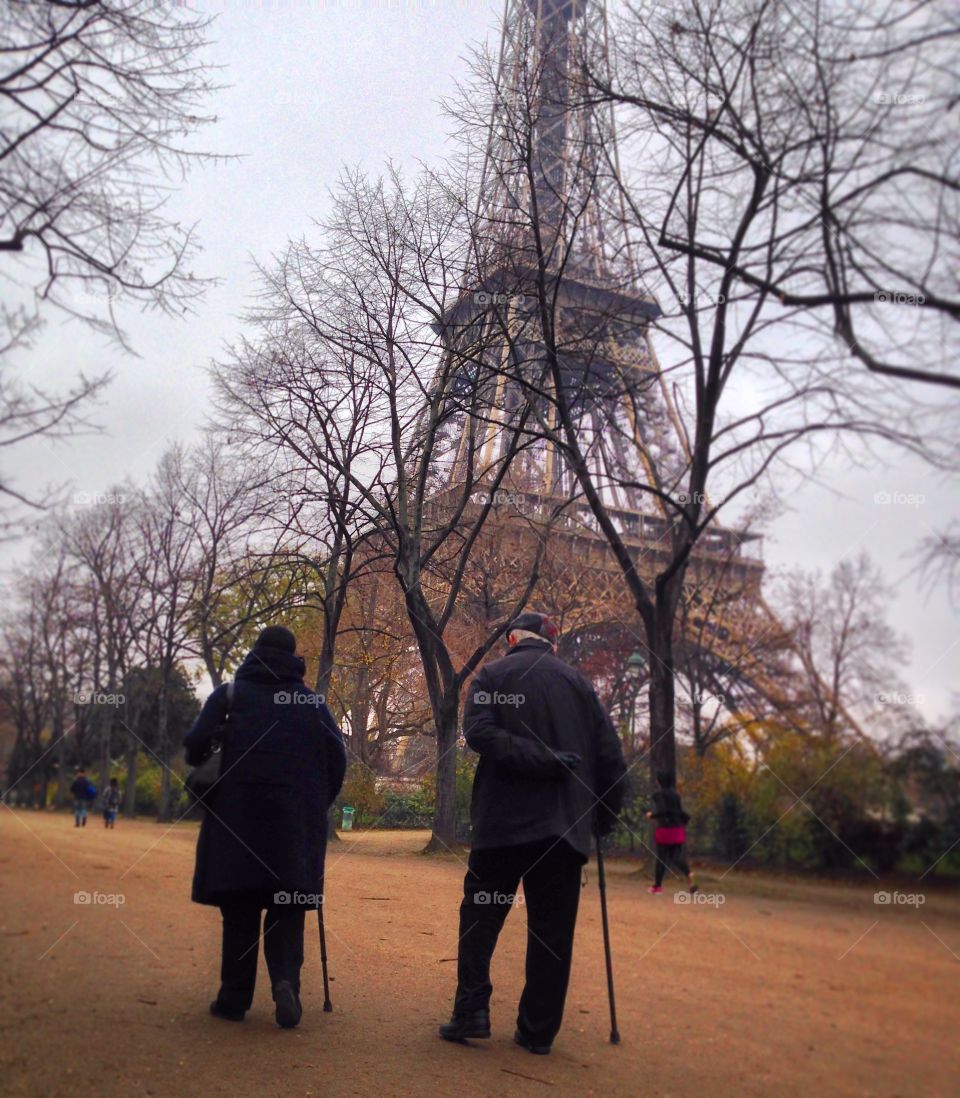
550,871
282,947
670,852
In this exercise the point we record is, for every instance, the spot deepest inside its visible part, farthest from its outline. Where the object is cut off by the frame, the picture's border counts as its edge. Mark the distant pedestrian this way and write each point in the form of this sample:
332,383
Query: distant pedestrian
670,835
84,793
264,831
111,804
550,776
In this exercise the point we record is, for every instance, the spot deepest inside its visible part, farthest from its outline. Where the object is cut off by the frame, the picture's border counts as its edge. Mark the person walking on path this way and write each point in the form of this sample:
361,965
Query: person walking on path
84,793
550,777
670,834
111,804
264,832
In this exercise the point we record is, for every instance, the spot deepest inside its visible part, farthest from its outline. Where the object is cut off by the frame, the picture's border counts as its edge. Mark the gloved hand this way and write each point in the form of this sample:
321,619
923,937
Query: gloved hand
569,760
606,821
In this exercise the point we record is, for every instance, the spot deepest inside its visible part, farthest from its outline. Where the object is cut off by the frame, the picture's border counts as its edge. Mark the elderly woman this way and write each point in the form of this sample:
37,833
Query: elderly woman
263,837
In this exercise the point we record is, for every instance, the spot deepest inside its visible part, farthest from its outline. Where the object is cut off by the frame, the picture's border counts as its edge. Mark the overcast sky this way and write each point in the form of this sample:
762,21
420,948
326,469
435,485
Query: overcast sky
317,85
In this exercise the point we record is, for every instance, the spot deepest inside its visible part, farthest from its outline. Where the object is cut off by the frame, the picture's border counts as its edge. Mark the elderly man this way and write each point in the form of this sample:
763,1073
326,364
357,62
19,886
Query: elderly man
550,775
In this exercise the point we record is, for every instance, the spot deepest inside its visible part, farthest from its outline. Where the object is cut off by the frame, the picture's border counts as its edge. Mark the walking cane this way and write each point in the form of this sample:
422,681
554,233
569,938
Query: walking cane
602,883
327,1005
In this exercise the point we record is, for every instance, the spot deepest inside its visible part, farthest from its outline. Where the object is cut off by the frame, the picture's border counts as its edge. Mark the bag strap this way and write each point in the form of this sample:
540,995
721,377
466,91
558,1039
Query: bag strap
219,738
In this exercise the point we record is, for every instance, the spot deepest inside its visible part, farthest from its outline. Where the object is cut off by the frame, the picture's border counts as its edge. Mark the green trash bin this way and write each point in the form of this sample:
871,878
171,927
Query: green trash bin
348,814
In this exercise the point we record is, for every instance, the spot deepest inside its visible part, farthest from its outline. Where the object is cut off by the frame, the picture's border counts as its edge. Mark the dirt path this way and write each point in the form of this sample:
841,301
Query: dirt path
822,995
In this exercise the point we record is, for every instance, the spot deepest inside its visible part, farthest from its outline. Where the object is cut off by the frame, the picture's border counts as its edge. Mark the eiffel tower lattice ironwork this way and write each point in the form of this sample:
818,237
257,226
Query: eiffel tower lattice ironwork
554,219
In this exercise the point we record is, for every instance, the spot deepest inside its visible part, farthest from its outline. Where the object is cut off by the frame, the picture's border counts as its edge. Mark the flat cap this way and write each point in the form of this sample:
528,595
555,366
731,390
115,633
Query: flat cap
532,622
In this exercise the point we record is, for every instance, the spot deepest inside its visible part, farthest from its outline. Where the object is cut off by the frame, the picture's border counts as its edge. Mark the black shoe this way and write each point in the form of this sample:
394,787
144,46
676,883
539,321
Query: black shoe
694,888
218,1010
289,1010
537,1050
475,1023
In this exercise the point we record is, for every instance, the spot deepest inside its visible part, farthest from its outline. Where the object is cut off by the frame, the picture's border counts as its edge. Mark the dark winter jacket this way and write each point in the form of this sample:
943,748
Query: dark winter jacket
520,710
81,789
667,809
265,821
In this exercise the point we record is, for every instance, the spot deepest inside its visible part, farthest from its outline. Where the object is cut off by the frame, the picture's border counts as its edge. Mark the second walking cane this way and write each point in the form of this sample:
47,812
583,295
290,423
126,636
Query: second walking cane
602,882
327,1005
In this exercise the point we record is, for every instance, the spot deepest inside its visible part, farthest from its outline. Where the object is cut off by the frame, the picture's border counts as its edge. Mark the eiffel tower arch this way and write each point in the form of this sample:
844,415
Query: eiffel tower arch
562,207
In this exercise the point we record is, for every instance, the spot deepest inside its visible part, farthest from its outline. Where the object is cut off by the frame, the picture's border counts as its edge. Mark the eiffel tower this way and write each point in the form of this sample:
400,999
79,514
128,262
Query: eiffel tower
562,205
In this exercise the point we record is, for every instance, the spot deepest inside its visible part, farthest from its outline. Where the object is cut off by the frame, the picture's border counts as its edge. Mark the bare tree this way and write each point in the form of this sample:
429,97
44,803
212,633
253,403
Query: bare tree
850,659
99,96
243,574
47,647
822,136
167,565
742,385
101,541
378,680
282,401
939,560
28,412
360,348
62,643
26,697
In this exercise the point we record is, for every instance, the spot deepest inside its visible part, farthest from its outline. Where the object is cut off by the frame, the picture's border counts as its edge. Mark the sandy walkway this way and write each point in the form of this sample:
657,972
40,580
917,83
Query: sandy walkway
820,993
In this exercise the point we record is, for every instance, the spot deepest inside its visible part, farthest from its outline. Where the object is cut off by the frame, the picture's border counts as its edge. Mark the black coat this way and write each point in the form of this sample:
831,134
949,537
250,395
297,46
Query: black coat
81,789
668,809
519,710
265,827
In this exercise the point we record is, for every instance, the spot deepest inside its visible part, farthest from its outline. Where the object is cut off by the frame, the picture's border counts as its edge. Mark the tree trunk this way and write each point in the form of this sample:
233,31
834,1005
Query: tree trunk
130,782
61,759
360,715
210,661
663,746
133,747
324,672
699,732
163,808
443,688
445,812
106,728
